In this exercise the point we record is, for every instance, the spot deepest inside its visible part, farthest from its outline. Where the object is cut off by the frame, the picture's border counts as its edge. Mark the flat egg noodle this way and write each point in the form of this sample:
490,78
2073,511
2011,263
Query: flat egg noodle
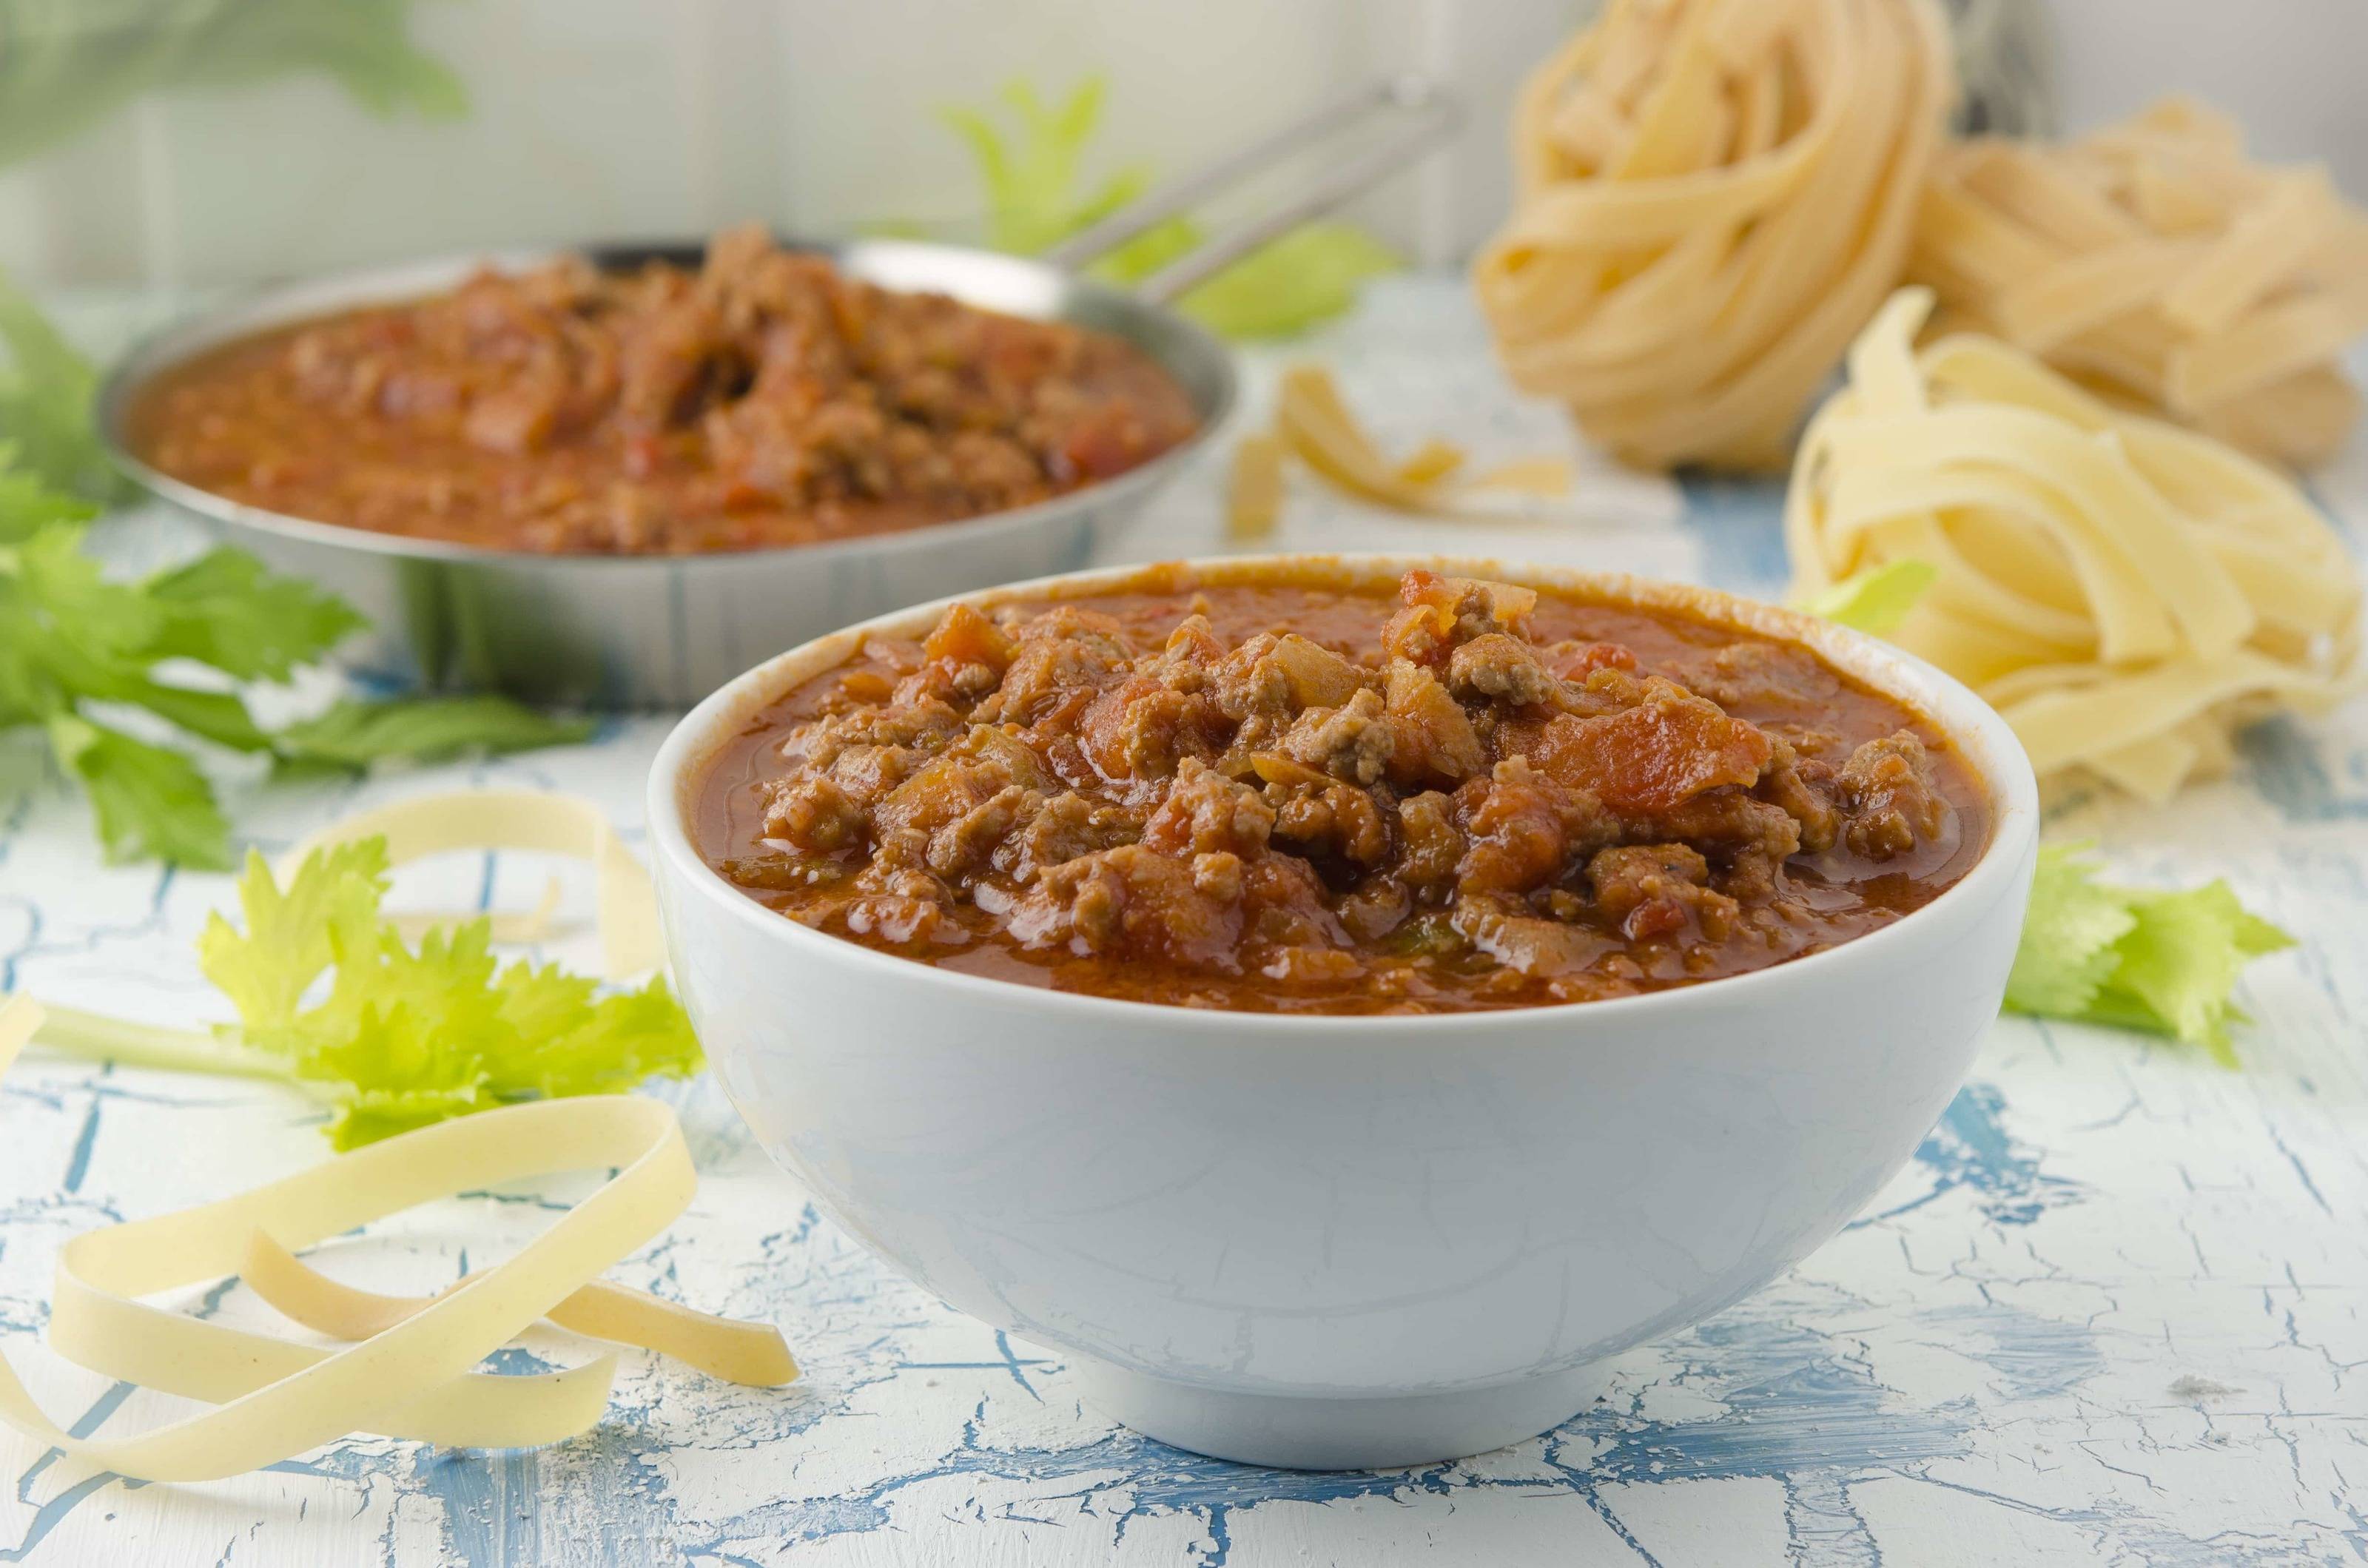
2128,594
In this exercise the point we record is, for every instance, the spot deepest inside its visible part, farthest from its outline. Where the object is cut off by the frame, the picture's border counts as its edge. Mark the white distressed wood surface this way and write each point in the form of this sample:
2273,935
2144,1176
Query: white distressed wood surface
2115,1310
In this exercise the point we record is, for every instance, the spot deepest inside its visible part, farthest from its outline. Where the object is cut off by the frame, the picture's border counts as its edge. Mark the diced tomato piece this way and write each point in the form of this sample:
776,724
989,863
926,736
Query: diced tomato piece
1653,757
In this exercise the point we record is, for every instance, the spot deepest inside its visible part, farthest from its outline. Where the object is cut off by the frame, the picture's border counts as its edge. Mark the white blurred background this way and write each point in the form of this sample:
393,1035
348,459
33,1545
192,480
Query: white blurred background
593,119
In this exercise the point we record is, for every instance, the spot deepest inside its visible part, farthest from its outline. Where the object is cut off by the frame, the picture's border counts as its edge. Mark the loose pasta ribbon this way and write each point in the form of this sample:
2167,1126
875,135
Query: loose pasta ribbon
406,1371
535,820
1314,424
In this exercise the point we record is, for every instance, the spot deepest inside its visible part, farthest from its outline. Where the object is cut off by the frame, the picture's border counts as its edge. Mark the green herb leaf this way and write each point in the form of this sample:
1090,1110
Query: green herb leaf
45,405
2068,951
352,735
103,620
1876,600
1164,241
94,640
28,693
401,1036
69,636
2162,962
364,44
28,506
76,645
2180,963
1033,176
292,934
225,609
151,801
69,67
65,68
1308,276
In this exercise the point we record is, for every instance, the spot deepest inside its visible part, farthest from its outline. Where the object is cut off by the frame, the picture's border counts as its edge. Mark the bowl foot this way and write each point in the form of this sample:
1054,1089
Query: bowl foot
1371,1432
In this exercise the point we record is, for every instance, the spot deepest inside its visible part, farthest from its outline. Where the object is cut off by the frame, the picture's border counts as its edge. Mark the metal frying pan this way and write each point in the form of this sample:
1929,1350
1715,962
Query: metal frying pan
641,631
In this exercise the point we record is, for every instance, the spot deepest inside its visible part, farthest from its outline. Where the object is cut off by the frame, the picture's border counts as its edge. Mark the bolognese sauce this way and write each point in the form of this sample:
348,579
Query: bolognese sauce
1283,796
764,399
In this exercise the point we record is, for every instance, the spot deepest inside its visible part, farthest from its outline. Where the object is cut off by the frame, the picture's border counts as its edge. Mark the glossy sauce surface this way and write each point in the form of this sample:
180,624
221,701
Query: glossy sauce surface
764,400
1268,797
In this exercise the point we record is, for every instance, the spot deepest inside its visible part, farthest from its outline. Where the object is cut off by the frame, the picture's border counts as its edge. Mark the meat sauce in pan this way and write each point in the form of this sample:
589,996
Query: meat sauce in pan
764,400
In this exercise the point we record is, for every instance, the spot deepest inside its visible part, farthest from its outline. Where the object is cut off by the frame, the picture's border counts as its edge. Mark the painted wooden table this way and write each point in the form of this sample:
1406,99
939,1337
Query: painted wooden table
2115,1308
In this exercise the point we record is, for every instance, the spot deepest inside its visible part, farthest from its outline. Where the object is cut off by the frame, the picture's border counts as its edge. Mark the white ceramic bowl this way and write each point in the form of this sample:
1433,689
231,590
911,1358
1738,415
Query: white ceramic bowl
1344,1242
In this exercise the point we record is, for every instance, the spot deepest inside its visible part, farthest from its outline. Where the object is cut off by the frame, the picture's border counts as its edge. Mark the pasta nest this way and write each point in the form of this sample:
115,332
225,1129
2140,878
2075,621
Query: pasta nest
1711,197
2126,593
2155,264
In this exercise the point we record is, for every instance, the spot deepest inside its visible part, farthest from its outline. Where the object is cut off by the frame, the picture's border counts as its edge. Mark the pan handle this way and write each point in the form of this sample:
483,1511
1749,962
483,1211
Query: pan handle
1425,110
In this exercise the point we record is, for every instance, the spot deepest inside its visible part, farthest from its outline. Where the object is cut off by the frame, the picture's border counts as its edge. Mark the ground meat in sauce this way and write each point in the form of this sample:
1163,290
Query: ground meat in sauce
764,400
1278,797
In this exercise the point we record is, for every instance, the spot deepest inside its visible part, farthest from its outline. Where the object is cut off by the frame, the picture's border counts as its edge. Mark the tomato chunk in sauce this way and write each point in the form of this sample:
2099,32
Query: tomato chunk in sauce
1287,797
765,399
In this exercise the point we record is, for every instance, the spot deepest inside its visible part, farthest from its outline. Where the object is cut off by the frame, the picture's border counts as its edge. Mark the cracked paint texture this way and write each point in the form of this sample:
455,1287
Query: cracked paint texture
2115,1310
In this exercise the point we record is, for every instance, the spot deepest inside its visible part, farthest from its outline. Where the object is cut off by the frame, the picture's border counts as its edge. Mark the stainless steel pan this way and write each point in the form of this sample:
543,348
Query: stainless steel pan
638,631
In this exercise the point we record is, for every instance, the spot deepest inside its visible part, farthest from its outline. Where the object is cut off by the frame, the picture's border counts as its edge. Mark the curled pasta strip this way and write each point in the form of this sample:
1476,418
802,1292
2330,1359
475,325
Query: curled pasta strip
2153,262
1713,196
411,1375
1314,422
406,1371
535,820
748,1353
2126,593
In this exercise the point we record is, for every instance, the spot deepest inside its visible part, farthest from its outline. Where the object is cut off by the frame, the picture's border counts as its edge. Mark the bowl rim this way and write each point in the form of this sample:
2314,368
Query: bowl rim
1981,734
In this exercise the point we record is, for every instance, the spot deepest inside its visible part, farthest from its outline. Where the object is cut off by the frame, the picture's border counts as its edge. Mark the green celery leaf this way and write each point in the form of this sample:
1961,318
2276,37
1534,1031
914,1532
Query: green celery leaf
225,609
352,735
2255,937
542,1003
2162,962
1031,177
30,690
405,1035
2068,951
373,1114
73,63
364,44
27,504
94,639
67,65
1876,600
1035,198
265,969
220,716
150,801
399,1018
1308,276
74,640
2180,962
611,1044
106,619
1149,251
45,402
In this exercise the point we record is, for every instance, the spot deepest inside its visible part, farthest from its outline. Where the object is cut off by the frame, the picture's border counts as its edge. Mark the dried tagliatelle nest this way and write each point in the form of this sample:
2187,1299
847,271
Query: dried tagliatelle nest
1713,196
2126,593
2155,264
